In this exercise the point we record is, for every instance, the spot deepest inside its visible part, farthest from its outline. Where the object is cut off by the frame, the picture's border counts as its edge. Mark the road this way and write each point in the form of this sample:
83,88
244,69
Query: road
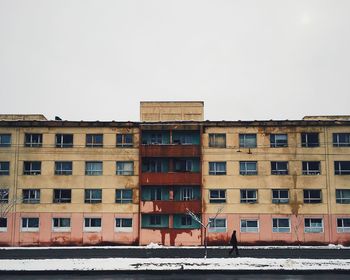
137,252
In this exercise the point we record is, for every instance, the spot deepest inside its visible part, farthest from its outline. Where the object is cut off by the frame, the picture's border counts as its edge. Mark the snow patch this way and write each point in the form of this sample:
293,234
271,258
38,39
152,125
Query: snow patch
153,246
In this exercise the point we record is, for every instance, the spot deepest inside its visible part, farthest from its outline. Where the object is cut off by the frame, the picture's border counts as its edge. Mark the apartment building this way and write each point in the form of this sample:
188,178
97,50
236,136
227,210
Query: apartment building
274,182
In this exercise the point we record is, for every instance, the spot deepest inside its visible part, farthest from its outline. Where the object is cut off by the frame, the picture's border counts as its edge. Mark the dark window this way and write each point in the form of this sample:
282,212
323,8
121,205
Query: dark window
217,168
31,196
280,225
249,196
217,140
3,223
311,168
343,225
62,195
249,225
125,168
125,140
342,167
123,223
93,168
184,165
61,223
247,140
186,220
4,195
63,168
93,196
312,196
279,167
313,225
217,196
33,140
29,224
343,196
123,196
4,168
5,140
248,168
32,167
64,140
278,140
341,139
310,140
155,220
94,140
280,196
92,222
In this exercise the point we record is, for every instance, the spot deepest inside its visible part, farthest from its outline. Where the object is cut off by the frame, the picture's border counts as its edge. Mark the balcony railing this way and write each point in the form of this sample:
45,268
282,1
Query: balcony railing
170,150
171,178
170,206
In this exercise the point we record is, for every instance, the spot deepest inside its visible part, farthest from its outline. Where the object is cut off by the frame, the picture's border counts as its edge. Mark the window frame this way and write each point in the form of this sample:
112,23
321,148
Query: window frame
124,143
60,228
60,168
306,144
279,199
248,200
61,199
5,144
30,196
122,228
92,172
27,228
30,143
308,199
121,171
278,228
214,171
219,199
246,171
3,171
306,168
31,171
123,200
249,229
242,140
313,229
4,195
215,228
213,143
92,142
338,170
60,140
336,140
339,200
278,170
5,221
343,229
278,143
89,228
88,196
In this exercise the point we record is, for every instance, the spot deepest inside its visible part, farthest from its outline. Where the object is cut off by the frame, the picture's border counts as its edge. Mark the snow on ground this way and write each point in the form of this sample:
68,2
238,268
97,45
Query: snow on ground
157,246
135,264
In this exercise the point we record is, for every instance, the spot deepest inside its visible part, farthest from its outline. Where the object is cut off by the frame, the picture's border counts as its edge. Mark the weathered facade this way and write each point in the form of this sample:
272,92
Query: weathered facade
73,183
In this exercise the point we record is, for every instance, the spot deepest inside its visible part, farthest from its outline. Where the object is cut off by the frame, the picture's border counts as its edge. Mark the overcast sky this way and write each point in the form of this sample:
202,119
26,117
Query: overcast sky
249,59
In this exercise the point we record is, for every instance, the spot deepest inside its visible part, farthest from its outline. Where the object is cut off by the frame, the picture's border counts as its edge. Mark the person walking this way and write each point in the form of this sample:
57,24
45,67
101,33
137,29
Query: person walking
233,243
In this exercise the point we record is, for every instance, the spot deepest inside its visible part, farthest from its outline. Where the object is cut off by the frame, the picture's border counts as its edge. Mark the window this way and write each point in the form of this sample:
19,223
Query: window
30,224
248,168
4,168
280,225
124,140
33,140
5,140
186,220
217,140
62,195
185,137
32,167
125,168
343,225
342,167
249,196
280,196
247,140
342,196
279,167
309,140
4,195
311,168
156,193
123,224
92,224
3,224
94,140
217,196
186,193
93,196
154,221
123,196
313,225
155,137
217,168
31,196
249,226
217,225
61,224
64,140
312,196
278,140
93,168
341,139
63,168
184,165
154,165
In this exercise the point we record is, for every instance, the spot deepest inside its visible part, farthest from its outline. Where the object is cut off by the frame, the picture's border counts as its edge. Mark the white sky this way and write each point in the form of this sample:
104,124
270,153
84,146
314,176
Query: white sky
248,59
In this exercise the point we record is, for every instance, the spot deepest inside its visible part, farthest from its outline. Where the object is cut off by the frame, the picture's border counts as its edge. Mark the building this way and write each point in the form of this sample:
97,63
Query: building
73,183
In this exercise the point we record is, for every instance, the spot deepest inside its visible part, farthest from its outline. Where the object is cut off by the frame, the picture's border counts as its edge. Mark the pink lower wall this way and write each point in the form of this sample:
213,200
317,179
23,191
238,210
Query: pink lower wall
178,237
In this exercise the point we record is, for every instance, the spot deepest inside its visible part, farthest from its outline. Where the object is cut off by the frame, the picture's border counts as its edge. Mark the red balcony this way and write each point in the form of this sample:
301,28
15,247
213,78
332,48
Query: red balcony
170,150
171,178
170,206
